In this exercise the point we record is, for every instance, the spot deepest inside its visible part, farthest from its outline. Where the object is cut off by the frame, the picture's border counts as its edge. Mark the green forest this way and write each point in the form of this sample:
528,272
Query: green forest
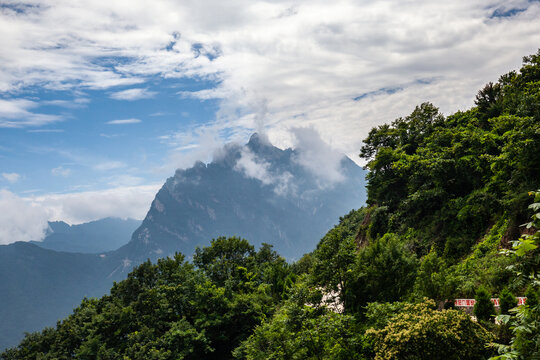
453,211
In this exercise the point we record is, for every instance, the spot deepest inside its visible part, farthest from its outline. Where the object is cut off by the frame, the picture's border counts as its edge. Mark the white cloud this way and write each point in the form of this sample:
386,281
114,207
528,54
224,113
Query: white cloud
79,207
306,61
69,104
20,220
123,121
61,171
25,218
195,144
133,94
15,113
256,168
11,177
318,157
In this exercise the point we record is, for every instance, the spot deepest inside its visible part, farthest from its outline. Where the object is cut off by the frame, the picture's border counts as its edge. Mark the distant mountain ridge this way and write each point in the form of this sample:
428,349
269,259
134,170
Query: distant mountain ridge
94,237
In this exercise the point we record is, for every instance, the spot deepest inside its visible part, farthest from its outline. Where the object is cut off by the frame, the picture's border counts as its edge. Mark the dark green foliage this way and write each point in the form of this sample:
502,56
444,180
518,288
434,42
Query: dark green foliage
488,102
377,315
225,259
448,179
483,308
170,310
525,322
507,301
303,329
432,278
335,254
383,271
449,305
532,296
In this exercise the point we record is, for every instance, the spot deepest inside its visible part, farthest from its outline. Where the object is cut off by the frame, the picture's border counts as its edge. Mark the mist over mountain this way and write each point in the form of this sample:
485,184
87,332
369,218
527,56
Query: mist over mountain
93,237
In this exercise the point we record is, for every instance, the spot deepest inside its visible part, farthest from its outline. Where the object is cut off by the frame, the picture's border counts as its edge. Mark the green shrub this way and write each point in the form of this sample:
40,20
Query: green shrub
532,296
507,301
483,308
421,332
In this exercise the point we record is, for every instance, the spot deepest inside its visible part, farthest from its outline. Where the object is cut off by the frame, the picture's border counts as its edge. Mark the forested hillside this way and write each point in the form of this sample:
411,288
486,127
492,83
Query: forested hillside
446,200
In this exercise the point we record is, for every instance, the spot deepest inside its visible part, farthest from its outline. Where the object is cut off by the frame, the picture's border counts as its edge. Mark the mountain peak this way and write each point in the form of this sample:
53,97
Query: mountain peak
257,140
260,144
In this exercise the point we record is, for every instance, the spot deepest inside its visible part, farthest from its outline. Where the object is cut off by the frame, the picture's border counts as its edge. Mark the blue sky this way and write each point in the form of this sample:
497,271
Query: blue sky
101,101
102,138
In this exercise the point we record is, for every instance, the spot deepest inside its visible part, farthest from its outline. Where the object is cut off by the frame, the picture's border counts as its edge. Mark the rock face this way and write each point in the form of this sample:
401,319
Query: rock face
258,192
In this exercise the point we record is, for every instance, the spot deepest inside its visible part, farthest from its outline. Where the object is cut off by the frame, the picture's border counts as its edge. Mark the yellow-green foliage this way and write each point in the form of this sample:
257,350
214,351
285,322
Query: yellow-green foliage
421,332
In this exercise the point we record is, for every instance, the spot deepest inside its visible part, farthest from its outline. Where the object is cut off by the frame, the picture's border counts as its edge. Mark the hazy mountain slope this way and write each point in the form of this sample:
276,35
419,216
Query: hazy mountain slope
286,205
41,286
93,237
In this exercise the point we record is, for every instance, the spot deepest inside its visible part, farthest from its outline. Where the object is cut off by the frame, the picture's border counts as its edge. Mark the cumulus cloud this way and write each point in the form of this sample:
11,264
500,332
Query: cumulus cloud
340,67
20,220
317,156
76,208
133,94
124,121
25,218
11,177
201,143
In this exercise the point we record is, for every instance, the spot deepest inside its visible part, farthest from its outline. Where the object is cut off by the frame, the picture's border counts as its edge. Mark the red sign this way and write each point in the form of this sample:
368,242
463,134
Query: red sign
495,301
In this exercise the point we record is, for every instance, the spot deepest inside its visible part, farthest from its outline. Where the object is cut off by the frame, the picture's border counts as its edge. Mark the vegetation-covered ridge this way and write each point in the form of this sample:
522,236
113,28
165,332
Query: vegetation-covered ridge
446,200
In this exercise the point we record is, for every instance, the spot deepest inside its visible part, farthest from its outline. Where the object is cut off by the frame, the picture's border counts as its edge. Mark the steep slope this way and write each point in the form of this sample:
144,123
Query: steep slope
41,286
257,191
93,237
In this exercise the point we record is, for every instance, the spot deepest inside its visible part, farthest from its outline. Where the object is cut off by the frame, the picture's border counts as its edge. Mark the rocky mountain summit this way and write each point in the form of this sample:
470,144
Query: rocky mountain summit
256,191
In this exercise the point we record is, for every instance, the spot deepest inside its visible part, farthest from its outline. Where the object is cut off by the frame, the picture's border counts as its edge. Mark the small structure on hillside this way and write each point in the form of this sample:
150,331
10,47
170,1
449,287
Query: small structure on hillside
468,304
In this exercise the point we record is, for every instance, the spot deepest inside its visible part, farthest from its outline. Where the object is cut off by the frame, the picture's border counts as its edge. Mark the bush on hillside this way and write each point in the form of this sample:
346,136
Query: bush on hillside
422,332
